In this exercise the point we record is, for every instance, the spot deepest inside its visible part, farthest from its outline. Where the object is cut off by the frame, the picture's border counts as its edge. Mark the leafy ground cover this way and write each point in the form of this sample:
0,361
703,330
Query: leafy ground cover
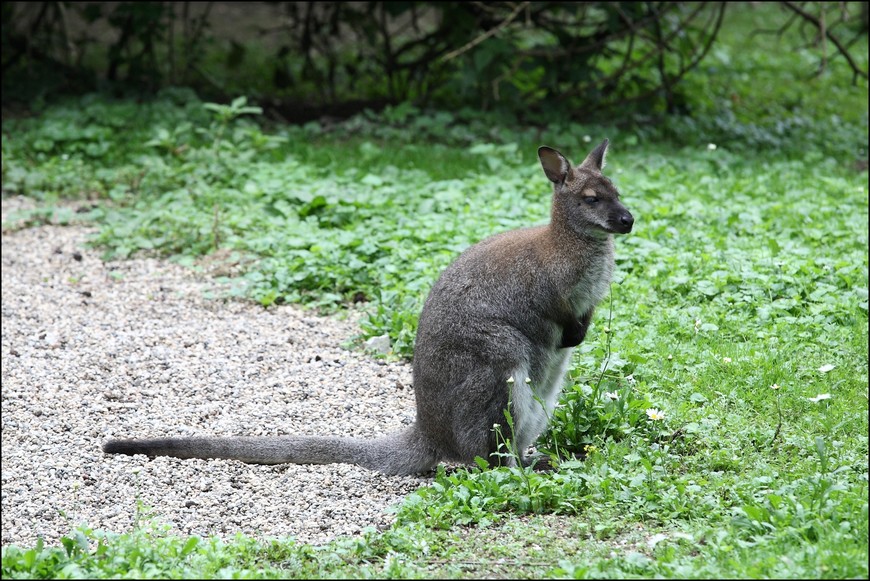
719,402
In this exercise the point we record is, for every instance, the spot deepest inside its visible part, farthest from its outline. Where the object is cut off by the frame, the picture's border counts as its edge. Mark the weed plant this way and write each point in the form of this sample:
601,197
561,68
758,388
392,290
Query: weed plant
715,422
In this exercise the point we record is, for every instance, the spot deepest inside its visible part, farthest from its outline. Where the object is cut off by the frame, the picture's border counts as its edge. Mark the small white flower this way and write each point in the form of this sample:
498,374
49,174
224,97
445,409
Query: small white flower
826,368
586,139
630,378
655,415
670,357
774,386
611,395
711,146
820,397
656,539
528,380
726,360
510,380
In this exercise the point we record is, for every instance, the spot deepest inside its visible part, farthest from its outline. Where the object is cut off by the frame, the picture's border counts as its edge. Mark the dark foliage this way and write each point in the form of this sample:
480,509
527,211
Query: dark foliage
311,59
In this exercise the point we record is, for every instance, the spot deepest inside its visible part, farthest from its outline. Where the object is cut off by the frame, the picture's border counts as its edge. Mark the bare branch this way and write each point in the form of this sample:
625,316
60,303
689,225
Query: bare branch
474,42
823,34
777,31
856,70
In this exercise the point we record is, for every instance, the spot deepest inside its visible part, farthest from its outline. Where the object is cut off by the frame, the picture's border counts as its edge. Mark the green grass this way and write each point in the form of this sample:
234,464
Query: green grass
747,269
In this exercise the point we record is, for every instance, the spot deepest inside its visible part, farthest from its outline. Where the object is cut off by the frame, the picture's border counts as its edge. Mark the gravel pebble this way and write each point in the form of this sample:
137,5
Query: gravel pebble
93,350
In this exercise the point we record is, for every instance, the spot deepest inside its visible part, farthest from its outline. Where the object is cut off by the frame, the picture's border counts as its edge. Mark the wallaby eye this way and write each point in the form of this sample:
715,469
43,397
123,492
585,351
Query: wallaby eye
590,199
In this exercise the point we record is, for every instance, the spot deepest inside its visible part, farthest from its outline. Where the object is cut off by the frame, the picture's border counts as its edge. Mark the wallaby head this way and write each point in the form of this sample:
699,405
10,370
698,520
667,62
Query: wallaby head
585,202
495,335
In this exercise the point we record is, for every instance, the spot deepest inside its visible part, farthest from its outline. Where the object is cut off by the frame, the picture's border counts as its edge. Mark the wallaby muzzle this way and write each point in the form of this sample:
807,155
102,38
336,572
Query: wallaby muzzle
621,221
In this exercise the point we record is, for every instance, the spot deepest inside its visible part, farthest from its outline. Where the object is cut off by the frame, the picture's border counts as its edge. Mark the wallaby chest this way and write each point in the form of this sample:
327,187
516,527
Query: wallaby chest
593,279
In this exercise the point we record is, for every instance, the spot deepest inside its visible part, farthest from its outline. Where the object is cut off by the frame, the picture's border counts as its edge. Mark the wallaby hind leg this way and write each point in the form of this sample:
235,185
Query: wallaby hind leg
483,433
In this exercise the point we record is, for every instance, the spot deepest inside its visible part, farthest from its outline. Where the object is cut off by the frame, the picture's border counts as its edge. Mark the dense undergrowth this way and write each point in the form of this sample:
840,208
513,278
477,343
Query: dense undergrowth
719,402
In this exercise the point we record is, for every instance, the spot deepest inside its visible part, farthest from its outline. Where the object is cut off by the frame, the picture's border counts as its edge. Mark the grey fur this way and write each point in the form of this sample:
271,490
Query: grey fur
508,310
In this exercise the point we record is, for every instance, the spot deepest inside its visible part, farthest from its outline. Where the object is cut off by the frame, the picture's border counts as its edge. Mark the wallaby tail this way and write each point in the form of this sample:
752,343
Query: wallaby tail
404,452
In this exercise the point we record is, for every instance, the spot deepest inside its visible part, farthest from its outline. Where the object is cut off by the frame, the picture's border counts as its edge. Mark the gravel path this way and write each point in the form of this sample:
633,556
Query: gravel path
92,350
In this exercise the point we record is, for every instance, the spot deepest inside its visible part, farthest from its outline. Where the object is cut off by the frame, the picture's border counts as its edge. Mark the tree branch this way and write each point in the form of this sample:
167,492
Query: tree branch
856,70
485,35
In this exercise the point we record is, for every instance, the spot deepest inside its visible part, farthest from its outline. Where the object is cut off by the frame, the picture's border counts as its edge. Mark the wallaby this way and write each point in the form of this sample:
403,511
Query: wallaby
495,334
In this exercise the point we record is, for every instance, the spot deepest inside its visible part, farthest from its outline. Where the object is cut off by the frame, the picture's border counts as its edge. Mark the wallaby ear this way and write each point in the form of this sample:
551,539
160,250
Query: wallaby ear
595,160
555,165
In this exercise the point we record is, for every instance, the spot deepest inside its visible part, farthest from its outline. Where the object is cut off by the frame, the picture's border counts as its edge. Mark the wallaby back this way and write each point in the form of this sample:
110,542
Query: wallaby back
495,334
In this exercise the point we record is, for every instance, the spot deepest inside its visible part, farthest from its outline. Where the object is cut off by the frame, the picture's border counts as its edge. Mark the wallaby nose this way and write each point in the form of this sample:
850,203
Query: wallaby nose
626,221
